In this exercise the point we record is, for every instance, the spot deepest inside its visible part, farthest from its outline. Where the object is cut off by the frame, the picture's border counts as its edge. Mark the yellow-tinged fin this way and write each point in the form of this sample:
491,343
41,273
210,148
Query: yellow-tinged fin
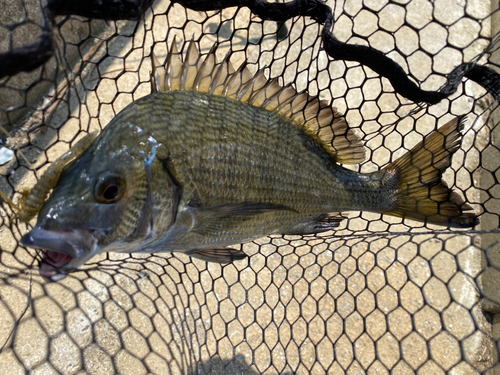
315,117
173,69
423,196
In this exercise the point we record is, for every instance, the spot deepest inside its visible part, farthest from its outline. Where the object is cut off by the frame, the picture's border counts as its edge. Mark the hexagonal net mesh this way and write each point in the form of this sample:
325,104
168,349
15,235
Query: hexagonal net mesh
378,295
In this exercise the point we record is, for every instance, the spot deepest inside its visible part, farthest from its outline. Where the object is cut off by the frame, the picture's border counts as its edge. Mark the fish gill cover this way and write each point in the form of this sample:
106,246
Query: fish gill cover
378,295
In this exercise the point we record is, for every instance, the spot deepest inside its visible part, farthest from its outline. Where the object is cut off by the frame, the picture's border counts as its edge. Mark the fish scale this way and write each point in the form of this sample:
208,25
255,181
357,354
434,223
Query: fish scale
182,170
279,174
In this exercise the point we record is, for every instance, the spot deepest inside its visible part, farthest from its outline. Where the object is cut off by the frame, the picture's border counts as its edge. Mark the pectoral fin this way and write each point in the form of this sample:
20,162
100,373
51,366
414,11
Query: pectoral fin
222,255
213,220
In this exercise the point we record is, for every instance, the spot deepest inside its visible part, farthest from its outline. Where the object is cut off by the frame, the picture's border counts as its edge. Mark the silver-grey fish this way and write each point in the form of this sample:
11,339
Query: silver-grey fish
216,157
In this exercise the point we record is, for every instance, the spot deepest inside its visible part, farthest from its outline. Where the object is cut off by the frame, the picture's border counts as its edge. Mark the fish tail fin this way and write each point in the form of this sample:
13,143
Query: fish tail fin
422,195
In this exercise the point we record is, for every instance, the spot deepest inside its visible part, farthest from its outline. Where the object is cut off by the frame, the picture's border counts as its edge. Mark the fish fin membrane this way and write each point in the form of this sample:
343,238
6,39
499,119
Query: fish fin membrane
220,255
320,224
315,117
327,222
423,196
214,220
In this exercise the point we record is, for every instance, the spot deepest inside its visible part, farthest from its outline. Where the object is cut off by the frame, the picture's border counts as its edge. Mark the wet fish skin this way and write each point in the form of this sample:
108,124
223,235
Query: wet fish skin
196,172
228,161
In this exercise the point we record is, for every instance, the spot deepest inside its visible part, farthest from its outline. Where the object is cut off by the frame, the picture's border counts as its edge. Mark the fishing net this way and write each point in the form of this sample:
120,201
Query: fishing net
380,295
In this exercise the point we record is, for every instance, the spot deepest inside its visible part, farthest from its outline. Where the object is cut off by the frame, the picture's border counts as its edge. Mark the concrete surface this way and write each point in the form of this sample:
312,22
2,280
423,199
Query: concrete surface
401,300
22,93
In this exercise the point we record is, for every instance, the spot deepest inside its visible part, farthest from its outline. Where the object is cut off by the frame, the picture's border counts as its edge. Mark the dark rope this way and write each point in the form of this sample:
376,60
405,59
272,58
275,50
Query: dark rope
367,56
32,55
487,78
315,9
28,57
35,53
382,65
102,9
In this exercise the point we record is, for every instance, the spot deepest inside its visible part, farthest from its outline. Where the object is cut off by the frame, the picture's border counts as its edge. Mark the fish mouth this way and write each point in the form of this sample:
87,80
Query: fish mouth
63,250
51,265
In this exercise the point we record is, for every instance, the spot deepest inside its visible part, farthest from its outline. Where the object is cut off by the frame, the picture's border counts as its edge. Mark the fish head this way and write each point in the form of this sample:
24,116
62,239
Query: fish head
100,202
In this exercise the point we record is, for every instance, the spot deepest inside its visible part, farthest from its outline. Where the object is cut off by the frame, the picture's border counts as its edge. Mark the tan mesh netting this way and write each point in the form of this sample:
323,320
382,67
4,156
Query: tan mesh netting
378,296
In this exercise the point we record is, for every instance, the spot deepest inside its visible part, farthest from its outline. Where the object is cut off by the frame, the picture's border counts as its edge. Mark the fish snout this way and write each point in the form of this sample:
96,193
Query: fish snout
74,243
63,250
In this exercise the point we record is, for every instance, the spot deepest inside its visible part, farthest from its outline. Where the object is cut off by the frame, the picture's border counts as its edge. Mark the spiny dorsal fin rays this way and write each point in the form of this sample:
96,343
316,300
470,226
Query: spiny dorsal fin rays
261,95
224,70
173,68
294,106
158,75
280,97
241,77
204,77
314,116
190,68
252,87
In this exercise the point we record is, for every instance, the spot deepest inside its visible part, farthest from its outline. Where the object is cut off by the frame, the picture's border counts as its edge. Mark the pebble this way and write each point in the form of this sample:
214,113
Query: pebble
6,155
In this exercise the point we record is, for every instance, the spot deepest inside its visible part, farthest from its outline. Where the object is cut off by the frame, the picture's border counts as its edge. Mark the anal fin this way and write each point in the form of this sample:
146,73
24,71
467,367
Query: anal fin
220,255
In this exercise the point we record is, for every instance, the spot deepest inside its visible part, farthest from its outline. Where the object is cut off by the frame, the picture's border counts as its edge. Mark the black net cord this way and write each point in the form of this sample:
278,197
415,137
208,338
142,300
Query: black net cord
35,53
363,300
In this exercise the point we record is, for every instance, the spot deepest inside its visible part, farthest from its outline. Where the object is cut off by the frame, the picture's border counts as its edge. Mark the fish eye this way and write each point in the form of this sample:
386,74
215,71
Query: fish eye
109,188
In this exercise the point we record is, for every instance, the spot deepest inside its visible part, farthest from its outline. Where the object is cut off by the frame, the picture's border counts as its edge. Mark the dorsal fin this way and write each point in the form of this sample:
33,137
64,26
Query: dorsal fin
173,68
313,116
205,74
190,68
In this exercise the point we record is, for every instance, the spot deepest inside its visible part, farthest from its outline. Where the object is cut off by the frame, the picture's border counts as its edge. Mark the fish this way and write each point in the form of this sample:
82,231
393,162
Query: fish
217,156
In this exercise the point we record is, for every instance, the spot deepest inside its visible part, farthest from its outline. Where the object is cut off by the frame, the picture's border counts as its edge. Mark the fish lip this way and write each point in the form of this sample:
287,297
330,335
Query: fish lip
51,265
63,250
70,242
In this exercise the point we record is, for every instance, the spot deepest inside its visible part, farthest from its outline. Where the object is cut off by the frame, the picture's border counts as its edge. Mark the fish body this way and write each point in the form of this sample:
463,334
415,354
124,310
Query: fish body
216,157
